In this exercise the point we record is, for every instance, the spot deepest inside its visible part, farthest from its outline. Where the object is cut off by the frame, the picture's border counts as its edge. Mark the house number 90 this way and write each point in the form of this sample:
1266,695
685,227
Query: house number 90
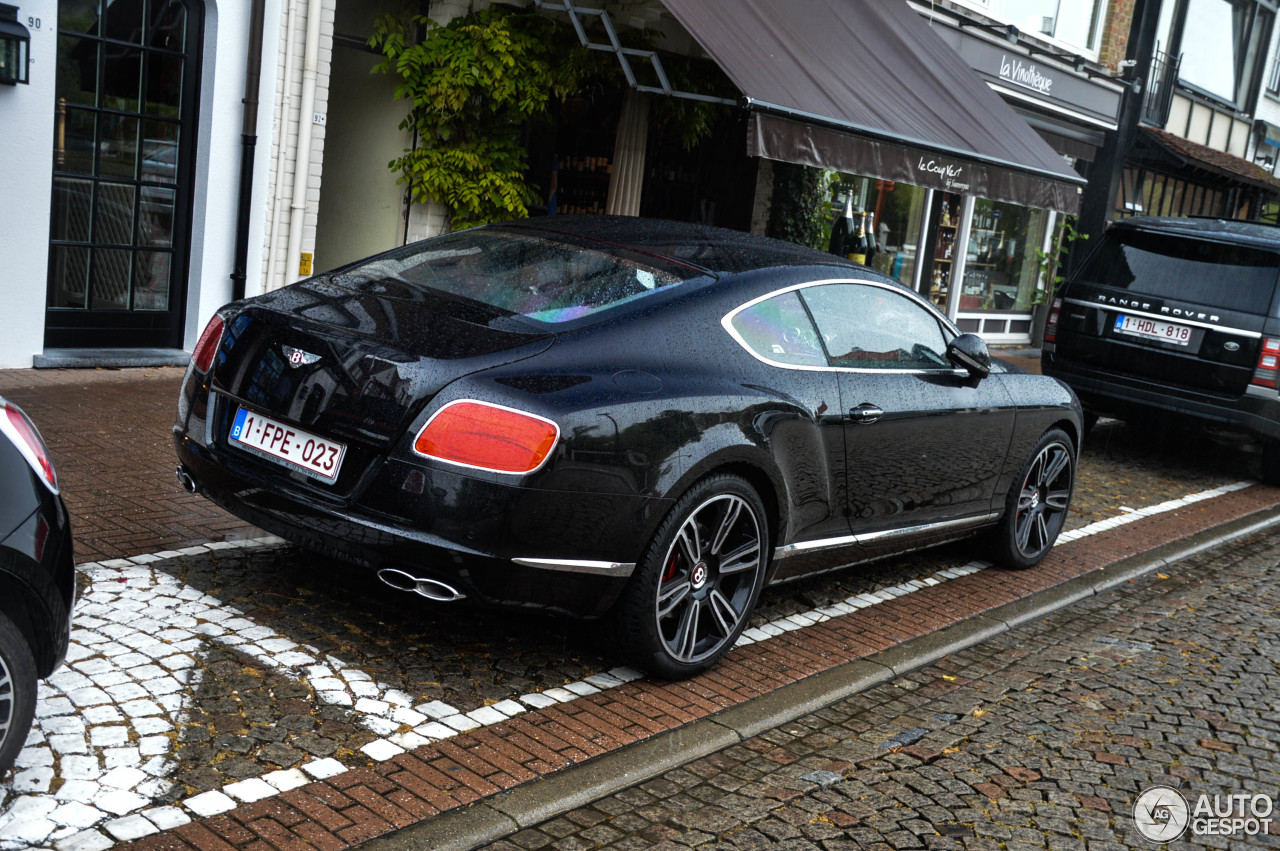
34,23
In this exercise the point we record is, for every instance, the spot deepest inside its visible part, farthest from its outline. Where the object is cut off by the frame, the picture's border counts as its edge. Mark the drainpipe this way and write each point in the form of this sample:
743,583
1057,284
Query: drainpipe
284,108
302,162
249,144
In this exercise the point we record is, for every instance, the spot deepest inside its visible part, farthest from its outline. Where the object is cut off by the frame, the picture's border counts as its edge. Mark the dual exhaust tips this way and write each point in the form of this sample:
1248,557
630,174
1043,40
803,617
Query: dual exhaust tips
432,589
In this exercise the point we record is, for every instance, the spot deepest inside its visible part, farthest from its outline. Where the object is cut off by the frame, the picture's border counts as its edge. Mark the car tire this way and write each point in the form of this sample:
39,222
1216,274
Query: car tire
1271,463
1037,503
17,692
697,584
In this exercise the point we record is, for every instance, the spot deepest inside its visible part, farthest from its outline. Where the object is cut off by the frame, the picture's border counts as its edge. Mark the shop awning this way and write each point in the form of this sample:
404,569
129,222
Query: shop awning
865,86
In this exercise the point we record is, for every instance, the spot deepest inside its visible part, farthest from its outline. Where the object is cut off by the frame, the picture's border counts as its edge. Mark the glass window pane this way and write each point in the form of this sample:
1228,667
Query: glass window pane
1209,47
151,280
110,277
124,20
868,327
155,217
159,151
779,330
122,78
114,214
72,203
69,272
78,70
73,141
164,85
118,147
78,16
1002,266
168,25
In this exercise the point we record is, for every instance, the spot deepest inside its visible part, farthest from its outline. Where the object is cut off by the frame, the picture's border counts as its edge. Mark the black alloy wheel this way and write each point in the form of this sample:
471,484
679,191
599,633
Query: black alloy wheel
1037,504
17,692
699,580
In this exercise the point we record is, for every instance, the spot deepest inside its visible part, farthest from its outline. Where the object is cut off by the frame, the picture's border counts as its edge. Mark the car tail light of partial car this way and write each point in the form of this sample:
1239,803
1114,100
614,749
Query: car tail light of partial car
1051,324
1264,374
207,346
488,437
22,432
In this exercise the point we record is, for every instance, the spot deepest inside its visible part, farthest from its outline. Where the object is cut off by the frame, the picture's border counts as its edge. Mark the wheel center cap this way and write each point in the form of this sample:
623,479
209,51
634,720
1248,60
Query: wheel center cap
699,576
1035,498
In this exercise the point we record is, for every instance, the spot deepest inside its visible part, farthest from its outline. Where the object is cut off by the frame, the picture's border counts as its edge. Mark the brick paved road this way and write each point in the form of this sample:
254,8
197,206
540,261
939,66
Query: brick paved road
1041,737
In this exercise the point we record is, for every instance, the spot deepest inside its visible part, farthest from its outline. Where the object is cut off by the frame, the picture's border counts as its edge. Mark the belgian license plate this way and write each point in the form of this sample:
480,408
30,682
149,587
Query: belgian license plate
1153,329
318,457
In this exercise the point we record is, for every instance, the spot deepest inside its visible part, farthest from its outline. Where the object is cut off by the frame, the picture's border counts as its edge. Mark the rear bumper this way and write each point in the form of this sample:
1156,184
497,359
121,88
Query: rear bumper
1106,393
499,543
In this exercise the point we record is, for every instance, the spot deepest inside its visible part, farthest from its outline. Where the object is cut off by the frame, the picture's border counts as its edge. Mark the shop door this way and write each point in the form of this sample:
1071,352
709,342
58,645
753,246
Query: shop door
942,248
124,147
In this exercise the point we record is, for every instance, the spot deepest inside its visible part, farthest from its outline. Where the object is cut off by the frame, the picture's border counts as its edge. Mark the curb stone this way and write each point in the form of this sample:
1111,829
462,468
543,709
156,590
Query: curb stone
540,800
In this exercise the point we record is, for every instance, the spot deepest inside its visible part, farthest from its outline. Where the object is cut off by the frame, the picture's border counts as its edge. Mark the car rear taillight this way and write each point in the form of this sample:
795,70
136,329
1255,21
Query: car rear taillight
207,346
487,436
1264,374
16,426
1051,323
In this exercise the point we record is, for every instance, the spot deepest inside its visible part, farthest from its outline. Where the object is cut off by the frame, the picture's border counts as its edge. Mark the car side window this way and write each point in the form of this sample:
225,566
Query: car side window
779,330
869,327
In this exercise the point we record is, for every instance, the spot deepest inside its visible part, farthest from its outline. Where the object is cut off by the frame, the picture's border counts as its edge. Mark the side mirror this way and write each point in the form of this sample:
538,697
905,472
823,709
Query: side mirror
969,352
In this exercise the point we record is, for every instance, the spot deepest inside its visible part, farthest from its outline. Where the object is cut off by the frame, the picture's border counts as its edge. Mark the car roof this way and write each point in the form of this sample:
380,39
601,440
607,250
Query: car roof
716,251
1235,231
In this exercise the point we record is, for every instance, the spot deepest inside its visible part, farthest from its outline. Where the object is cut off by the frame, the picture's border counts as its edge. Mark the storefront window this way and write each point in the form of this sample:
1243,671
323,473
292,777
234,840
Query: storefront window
893,213
1002,267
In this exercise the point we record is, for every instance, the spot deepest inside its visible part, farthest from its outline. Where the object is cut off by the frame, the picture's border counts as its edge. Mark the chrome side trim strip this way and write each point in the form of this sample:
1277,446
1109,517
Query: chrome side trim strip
1163,317
886,535
621,569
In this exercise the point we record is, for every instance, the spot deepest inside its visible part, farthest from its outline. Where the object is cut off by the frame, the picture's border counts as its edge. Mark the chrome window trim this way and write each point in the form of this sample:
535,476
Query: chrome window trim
1164,317
620,569
802,547
727,322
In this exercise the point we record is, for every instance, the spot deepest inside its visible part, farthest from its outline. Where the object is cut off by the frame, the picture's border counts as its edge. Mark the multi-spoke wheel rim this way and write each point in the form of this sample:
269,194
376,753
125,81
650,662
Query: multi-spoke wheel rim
709,575
1043,501
6,702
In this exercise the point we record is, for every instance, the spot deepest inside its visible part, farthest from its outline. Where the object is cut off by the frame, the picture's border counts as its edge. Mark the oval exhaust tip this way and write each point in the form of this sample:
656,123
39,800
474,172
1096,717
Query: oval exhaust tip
397,579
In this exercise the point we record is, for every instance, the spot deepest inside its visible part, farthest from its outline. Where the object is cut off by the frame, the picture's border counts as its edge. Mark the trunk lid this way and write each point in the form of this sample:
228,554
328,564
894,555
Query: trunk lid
353,366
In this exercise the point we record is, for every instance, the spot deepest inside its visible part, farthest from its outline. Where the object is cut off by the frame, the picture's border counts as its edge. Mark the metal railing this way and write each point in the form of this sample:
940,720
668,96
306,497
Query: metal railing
1160,87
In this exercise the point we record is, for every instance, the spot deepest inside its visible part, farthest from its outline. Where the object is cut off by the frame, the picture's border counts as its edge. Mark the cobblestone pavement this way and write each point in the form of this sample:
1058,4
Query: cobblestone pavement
1041,737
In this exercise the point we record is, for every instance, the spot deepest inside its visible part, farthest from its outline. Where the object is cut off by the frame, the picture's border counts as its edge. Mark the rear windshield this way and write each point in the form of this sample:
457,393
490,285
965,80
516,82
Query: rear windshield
523,273
1209,274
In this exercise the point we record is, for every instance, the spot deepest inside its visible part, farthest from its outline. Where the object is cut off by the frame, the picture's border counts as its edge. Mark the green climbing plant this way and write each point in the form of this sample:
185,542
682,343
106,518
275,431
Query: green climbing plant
476,84
800,207
1051,261
473,84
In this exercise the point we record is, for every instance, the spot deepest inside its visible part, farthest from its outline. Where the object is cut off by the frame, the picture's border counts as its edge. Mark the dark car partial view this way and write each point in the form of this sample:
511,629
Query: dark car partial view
37,575
1176,316
614,416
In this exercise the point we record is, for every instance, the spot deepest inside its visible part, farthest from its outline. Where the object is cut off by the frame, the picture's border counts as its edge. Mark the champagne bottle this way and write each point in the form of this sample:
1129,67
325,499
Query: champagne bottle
858,247
843,230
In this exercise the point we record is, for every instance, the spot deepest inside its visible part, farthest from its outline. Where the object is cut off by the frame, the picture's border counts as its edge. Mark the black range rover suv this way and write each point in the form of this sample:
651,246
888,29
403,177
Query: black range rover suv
1176,316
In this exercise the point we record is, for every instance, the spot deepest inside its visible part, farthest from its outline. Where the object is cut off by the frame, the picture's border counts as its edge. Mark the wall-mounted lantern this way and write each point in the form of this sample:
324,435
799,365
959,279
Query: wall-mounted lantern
15,45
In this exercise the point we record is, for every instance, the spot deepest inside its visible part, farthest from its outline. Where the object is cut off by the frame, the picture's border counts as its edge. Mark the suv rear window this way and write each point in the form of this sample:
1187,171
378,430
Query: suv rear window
1212,274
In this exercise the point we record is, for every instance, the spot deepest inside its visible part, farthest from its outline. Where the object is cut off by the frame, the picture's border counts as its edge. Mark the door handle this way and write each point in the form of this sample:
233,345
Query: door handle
866,413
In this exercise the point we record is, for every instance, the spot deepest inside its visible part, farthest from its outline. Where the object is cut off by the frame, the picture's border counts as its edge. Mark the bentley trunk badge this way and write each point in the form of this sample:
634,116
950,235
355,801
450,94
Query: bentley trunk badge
297,357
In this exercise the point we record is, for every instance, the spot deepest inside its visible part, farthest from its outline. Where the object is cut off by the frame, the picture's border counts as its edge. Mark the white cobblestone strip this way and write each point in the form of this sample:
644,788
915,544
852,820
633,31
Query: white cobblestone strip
104,722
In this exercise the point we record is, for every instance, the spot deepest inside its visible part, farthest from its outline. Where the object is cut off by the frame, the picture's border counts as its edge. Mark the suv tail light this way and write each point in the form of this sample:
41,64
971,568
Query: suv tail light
1264,374
207,346
1051,323
15,425
488,437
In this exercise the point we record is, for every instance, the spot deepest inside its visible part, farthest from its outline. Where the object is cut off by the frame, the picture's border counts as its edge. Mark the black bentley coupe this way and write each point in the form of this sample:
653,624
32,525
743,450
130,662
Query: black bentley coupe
615,415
